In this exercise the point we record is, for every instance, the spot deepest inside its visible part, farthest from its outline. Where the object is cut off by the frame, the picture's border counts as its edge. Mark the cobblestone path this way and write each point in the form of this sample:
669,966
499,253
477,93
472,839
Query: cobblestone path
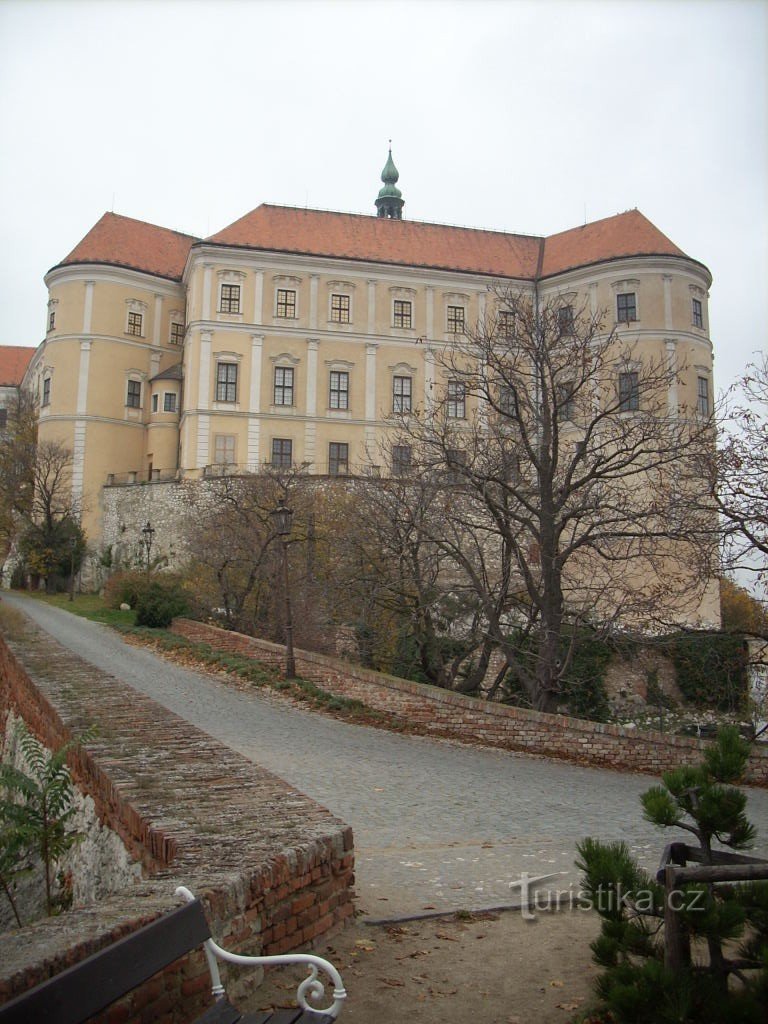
437,825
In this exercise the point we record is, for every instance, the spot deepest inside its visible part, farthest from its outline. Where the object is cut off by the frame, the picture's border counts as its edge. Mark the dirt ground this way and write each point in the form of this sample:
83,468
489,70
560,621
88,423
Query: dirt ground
496,967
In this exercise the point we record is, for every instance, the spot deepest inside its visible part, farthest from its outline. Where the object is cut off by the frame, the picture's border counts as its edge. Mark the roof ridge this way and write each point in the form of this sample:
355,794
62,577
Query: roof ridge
372,217
149,224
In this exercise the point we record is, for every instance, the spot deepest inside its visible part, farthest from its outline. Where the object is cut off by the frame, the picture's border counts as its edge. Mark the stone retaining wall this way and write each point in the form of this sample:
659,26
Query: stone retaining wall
274,869
464,718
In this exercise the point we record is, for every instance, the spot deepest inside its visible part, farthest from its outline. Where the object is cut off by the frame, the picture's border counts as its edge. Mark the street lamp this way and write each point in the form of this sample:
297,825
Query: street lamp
72,548
283,518
148,535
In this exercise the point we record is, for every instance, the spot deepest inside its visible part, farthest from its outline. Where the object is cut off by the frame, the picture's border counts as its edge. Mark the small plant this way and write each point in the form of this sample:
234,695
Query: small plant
727,978
159,604
36,805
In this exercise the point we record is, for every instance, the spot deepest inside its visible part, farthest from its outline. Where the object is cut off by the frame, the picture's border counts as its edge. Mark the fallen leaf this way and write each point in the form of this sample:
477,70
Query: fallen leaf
556,984
393,982
568,1006
445,937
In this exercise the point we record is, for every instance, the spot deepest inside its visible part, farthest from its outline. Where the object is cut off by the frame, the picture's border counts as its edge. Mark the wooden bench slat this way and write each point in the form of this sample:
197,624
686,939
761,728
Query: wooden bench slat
91,985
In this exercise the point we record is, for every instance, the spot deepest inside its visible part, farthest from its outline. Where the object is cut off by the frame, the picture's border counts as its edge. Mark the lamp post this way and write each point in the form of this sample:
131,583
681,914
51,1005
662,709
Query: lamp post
148,535
72,546
283,518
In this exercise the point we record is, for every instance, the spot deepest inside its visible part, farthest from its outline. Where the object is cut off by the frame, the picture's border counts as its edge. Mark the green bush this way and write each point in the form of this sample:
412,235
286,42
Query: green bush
710,669
125,588
159,604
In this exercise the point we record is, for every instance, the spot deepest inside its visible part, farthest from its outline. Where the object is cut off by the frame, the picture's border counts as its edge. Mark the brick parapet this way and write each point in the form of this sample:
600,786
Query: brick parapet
456,715
274,869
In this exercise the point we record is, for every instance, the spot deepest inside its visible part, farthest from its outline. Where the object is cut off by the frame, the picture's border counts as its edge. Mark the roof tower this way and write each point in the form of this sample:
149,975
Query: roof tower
390,202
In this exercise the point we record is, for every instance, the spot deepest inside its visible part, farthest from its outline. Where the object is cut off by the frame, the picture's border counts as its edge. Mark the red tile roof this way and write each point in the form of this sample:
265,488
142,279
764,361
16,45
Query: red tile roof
14,361
125,242
122,241
626,234
380,240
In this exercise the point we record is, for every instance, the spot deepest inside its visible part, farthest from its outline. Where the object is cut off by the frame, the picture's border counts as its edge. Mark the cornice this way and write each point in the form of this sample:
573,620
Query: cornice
112,274
365,270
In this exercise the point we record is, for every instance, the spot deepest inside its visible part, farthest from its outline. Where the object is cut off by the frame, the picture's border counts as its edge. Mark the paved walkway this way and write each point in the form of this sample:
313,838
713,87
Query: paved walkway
437,825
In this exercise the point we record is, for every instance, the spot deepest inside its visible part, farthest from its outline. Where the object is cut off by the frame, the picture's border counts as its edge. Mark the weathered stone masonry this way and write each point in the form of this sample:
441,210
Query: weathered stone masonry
464,718
274,868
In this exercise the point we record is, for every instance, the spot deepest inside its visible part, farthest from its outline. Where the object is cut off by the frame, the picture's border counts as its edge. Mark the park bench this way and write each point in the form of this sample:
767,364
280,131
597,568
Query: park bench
89,987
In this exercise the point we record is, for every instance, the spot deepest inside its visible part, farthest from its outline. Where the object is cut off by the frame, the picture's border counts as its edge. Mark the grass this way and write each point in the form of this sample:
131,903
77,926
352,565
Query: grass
88,606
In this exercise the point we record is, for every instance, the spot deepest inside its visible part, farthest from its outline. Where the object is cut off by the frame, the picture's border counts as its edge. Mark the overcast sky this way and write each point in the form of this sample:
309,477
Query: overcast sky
517,116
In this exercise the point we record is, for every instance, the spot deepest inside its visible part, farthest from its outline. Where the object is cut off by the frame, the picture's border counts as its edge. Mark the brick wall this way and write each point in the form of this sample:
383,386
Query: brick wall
273,868
464,718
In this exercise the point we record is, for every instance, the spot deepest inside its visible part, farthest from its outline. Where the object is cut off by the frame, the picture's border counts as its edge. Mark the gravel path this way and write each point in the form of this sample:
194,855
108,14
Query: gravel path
436,824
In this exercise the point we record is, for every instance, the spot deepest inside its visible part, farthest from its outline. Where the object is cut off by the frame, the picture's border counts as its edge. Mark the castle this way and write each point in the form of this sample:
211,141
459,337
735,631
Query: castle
291,336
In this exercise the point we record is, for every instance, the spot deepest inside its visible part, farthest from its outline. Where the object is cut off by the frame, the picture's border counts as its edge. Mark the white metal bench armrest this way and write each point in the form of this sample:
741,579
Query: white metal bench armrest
311,987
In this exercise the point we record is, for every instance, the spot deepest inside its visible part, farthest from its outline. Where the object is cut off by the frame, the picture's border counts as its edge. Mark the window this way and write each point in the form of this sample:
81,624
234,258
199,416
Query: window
283,391
626,307
401,459
282,452
508,401
229,301
52,319
456,319
339,396
286,303
402,394
565,402
455,459
629,392
155,402
133,396
177,334
506,322
3,419
698,316
457,406
224,450
338,458
169,402
702,396
226,381
340,309
565,320
401,314
135,324
46,396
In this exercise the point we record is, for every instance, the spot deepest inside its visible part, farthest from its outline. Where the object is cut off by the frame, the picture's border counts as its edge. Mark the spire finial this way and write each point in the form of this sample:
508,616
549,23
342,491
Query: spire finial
390,202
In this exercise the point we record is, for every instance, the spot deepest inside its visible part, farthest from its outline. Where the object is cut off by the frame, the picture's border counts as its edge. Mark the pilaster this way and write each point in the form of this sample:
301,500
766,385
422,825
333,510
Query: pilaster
254,401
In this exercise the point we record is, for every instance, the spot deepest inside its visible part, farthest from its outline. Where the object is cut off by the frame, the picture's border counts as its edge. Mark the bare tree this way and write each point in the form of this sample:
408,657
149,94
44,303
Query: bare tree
233,545
392,567
558,443
737,473
36,500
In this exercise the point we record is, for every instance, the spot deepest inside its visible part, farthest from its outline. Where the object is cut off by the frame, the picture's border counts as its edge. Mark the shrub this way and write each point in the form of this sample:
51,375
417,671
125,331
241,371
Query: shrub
159,604
125,588
636,985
